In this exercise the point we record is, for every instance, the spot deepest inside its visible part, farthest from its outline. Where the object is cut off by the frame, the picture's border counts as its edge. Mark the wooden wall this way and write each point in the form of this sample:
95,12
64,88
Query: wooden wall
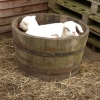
9,9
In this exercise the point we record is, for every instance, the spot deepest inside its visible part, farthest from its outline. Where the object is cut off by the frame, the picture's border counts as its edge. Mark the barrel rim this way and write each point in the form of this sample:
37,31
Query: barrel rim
15,21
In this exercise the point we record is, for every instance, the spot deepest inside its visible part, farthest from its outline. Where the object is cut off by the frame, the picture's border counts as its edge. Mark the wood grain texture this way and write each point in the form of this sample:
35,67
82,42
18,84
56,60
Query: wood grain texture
5,28
52,3
23,10
9,19
6,4
95,8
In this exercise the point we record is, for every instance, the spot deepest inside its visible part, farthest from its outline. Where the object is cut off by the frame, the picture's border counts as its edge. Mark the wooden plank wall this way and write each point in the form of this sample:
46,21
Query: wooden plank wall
9,9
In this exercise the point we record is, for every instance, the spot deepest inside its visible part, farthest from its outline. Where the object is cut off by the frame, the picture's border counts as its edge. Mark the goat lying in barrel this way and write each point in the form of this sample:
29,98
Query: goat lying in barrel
53,30
26,21
71,26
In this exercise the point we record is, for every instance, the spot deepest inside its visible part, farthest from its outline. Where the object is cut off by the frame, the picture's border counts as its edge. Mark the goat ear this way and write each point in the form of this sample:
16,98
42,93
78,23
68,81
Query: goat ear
79,28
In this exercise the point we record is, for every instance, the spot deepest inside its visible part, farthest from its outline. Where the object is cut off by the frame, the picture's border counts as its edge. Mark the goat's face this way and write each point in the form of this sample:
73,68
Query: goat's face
24,23
67,32
72,31
71,27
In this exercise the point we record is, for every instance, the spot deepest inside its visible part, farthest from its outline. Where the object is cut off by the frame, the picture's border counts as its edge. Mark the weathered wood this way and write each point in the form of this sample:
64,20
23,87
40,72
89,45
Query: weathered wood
95,1
94,41
95,17
75,5
95,8
50,56
6,28
63,48
65,12
5,0
88,11
95,28
85,19
23,10
50,45
19,3
8,20
52,3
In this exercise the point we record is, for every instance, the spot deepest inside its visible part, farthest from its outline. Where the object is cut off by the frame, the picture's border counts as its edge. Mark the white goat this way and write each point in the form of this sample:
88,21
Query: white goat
28,21
53,30
71,26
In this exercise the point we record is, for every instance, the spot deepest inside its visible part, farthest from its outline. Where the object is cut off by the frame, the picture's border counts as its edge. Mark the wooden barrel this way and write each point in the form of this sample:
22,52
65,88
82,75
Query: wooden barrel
49,56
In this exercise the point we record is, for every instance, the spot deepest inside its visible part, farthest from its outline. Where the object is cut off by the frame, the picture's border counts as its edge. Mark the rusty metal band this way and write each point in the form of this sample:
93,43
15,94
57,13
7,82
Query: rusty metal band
36,71
47,54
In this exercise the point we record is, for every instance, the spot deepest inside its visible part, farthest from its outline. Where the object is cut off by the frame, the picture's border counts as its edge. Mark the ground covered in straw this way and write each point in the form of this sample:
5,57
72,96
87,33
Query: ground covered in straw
15,85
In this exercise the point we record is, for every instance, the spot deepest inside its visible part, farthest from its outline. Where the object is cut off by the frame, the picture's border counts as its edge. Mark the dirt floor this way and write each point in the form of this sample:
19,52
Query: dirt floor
15,85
